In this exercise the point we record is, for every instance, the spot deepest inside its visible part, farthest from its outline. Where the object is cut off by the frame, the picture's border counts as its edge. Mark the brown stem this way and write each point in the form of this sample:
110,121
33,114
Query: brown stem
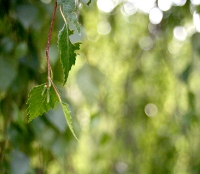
48,44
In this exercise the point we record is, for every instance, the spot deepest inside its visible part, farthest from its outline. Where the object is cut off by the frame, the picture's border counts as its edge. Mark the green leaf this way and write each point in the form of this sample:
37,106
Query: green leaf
37,103
69,7
73,18
88,3
66,49
66,111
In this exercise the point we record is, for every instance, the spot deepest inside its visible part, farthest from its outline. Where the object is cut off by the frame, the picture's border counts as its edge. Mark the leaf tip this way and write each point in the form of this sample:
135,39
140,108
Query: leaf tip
66,111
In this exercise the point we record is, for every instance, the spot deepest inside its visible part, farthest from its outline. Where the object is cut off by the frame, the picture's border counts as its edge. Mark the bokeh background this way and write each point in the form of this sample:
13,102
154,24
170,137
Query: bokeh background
134,92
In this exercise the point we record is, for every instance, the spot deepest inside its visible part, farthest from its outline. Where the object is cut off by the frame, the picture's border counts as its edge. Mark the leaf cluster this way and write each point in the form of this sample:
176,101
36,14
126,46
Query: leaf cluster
44,97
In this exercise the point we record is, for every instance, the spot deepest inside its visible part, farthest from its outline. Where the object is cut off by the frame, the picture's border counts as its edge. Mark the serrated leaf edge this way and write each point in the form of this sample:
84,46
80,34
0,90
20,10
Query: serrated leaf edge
69,121
27,103
68,42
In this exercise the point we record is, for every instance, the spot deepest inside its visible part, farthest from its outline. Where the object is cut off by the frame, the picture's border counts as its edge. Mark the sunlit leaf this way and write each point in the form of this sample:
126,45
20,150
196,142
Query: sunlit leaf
70,12
66,111
37,103
73,18
67,50
69,6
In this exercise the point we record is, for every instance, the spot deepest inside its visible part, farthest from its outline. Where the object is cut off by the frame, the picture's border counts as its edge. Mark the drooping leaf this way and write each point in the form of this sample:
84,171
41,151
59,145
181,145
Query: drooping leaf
88,3
37,101
67,50
66,111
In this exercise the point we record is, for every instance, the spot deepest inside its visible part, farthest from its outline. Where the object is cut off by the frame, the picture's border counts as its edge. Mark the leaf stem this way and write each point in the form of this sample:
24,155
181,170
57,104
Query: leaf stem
48,44
56,91
63,15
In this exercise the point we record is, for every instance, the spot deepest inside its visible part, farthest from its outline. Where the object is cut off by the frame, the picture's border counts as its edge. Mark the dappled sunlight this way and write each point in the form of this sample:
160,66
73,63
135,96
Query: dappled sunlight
180,33
151,109
93,35
146,43
195,2
179,2
121,167
174,47
104,27
129,8
155,11
196,20
145,5
106,5
165,5
155,15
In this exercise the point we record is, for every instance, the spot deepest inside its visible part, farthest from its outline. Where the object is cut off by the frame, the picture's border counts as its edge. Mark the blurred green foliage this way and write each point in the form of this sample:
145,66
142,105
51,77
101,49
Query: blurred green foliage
134,94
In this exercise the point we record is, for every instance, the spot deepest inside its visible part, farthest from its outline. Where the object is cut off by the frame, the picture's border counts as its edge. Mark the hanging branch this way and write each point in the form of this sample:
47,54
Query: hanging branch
48,45
47,94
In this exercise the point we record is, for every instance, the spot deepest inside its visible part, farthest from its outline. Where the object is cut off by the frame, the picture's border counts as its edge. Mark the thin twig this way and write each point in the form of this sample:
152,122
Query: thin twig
48,44
49,80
